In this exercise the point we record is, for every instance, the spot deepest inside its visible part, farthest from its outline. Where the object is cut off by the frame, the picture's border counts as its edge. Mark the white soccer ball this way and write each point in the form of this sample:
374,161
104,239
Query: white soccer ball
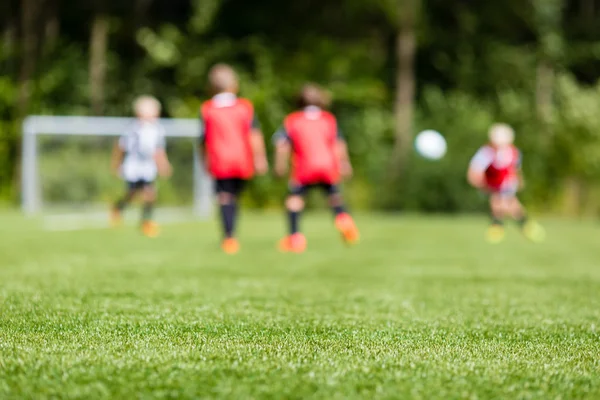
431,144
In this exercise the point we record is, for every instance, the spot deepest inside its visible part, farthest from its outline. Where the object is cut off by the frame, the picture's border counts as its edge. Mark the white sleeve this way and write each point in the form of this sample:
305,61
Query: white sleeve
482,159
123,141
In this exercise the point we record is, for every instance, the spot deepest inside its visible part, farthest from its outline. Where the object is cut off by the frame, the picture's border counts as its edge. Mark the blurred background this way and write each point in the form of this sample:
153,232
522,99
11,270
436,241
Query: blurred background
395,67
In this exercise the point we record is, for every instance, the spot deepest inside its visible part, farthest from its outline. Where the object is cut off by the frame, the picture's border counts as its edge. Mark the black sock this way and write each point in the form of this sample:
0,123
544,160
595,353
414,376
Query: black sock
293,218
234,215
121,204
522,221
147,211
228,219
337,210
497,221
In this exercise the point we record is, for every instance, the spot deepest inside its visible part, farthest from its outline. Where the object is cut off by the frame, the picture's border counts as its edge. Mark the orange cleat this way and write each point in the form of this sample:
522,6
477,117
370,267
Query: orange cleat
150,229
116,218
346,226
295,243
230,246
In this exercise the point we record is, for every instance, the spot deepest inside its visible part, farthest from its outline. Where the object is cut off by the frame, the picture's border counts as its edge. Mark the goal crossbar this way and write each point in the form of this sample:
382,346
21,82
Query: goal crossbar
35,126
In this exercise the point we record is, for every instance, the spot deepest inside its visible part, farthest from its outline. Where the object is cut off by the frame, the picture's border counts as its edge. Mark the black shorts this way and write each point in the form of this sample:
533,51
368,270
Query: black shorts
139,185
300,190
234,186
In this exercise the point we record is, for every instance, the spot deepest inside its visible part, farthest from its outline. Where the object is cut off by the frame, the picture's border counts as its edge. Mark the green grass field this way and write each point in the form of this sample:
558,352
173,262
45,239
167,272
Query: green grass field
423,308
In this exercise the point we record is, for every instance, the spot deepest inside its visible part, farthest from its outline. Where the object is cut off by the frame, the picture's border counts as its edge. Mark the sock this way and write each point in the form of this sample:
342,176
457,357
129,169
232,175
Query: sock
293,218
121,204
147,211
497,221
337,210
522,221
234,215
227,218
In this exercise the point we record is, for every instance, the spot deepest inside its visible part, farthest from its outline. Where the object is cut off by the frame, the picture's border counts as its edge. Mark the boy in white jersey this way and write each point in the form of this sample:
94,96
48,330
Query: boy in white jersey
138,157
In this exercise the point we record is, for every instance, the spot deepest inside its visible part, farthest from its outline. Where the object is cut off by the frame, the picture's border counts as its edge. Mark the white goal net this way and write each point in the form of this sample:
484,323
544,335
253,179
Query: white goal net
65,167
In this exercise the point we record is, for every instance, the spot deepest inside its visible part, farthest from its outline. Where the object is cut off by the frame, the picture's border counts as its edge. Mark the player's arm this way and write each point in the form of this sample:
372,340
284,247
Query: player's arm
202,153
341,148
161,159
477,167
283,149
162,163
259,152
117,157
520,177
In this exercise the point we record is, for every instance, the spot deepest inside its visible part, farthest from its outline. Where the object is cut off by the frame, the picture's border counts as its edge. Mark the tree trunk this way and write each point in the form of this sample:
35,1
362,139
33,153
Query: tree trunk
52,23
406,47
28,59
139,13
97,62
544,91
587,10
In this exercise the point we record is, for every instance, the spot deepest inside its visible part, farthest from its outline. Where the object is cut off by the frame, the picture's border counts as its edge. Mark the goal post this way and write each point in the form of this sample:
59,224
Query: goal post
106,129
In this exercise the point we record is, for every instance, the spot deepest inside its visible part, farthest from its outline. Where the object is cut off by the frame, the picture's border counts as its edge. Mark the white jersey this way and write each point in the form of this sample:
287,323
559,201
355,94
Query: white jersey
140,144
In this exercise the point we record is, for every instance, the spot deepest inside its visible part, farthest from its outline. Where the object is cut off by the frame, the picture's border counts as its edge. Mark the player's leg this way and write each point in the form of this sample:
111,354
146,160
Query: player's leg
226,197
344,222
495,233
238,186
149,227
531,229
295,241
132,188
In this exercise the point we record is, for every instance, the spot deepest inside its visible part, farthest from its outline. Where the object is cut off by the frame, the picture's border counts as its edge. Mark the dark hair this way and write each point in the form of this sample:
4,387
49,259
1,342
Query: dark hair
313,95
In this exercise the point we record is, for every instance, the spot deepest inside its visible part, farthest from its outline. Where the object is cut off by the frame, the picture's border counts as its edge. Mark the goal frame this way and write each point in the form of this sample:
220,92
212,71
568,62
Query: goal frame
38,125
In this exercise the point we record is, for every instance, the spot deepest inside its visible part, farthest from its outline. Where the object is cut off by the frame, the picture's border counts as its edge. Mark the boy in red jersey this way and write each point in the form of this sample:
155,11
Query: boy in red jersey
496,169
319,159
232,146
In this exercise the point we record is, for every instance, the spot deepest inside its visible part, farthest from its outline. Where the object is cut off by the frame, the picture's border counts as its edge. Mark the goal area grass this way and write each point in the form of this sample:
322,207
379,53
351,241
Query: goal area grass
421,308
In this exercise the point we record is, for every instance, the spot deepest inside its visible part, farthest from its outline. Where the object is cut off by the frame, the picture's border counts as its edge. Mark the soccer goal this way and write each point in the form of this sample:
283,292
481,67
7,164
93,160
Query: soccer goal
65,167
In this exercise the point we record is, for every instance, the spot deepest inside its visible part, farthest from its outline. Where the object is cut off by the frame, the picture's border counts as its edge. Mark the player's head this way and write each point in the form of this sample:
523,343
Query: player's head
146,107
501,135
223,79
313,95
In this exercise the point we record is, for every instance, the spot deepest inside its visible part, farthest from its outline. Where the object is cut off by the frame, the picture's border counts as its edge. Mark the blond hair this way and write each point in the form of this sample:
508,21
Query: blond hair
147,107
501,134
222,78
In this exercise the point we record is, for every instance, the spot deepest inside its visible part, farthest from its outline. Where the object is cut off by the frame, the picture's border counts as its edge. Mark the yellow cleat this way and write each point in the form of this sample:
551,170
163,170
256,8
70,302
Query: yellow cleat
230,246
150,229
534,232
495,234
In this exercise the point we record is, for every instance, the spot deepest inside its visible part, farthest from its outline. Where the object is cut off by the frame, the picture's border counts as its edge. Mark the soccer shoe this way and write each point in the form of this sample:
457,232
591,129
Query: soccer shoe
116,219
534,232
346,226
150,229
295,243
495,234
230,246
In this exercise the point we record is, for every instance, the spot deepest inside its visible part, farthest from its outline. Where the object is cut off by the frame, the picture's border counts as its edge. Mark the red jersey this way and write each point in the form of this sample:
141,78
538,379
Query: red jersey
313,135
228,122
500,165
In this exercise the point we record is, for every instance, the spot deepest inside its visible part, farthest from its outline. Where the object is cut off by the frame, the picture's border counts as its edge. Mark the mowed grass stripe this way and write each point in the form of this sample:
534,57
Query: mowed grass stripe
423,308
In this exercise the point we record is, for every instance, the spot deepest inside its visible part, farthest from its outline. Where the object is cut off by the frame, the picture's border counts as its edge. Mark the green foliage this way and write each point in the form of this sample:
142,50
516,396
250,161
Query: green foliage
422,308
476,63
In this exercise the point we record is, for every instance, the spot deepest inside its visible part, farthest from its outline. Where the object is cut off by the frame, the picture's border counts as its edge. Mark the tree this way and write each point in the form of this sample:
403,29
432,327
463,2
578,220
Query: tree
99,32
548,27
